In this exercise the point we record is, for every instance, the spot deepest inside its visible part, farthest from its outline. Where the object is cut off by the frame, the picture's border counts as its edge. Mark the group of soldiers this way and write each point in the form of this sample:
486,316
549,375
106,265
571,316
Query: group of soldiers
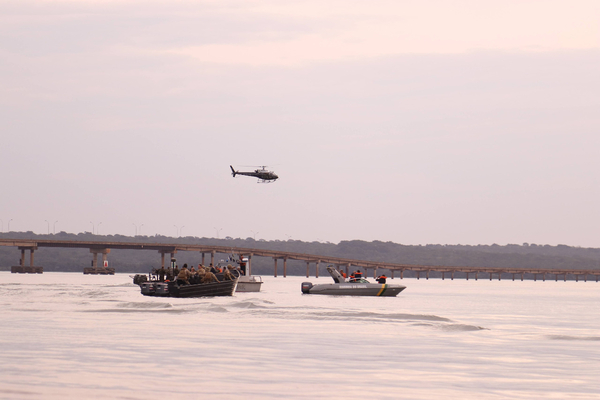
192,275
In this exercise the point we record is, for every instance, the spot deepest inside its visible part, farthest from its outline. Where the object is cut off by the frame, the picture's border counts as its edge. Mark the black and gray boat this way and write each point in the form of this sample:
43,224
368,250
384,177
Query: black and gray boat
151,285
173,289
357,287
154,284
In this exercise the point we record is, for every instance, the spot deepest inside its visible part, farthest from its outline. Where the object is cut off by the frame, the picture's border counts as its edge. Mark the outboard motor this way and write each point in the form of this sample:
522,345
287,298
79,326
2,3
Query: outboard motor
161,289
138,279
306,286
148,288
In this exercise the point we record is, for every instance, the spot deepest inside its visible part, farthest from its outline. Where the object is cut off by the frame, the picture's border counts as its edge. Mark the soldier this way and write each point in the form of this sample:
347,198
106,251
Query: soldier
209,277
161,274
227,276
184,276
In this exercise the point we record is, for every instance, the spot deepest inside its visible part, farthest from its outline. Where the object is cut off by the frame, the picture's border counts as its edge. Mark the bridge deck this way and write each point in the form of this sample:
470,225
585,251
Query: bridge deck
166,248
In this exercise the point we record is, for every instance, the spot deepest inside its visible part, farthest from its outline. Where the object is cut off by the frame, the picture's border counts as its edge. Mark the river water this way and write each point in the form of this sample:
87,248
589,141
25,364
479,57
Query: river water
67,335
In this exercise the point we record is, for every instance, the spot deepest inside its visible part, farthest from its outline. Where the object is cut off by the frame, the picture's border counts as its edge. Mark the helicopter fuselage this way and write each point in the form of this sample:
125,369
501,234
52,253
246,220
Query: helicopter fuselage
261,174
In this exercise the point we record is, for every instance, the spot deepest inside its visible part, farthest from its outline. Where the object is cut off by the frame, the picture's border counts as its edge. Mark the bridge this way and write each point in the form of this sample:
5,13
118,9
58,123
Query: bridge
376,267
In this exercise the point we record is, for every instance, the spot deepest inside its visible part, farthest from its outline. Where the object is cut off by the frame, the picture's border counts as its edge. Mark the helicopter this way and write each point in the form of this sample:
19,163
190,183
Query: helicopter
262,174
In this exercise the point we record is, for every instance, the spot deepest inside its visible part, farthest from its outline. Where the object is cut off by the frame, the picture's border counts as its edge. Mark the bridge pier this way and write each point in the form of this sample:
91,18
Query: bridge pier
22,268
443,273
427,275
212,258
467,275
452,276
104,253
275,271
285,267
418,275
94,270
317,269
307,268
162,256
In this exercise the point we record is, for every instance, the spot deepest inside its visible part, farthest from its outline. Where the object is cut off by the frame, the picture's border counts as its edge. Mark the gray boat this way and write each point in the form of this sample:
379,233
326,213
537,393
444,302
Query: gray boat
357,287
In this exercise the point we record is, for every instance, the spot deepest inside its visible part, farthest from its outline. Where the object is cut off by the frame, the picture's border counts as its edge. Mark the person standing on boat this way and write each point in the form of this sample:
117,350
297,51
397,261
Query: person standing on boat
382,279
161,274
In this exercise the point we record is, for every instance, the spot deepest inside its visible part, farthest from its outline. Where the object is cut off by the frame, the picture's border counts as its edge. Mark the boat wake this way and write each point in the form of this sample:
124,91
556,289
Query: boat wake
142,307
567,337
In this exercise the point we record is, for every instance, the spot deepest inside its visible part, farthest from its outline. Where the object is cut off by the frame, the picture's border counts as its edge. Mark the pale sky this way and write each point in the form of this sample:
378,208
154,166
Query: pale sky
453,122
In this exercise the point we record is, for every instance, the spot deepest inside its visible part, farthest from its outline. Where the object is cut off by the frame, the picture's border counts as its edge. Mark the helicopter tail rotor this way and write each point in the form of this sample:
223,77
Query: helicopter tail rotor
232,171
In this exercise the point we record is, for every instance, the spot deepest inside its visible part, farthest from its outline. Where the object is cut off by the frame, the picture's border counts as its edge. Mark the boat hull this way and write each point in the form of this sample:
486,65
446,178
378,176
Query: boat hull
172,289
355,289
248,284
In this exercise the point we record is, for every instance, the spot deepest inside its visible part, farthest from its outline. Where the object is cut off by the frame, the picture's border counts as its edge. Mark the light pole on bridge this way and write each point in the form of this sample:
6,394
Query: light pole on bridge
254,233
48,225
136,229
8,230
179,229
54,228
218,230
94,227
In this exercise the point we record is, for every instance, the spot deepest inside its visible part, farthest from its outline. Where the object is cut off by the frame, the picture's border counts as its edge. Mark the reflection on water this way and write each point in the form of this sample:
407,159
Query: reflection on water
74,335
